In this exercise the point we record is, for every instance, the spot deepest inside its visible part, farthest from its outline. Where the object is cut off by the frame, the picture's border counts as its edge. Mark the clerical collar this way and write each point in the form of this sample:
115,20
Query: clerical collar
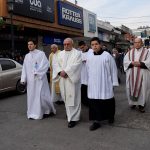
139,49
99,52
33,51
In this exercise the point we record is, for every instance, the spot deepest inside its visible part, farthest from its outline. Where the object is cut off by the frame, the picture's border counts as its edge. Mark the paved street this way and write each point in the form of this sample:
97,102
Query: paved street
131,130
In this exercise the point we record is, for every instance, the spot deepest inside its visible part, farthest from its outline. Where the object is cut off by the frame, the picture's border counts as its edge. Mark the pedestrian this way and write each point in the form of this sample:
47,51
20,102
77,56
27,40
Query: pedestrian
84,52
137,68
56,95
117,58
102,77
34,70
104,47
67,68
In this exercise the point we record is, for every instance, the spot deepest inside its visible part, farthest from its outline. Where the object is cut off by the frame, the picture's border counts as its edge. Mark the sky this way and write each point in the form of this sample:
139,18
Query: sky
131,13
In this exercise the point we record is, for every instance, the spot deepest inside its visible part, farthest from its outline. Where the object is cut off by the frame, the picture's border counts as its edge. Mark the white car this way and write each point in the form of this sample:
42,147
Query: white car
10,74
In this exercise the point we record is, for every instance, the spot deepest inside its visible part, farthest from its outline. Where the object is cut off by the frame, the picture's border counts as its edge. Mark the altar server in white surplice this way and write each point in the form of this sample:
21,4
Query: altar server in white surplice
102,77
85,51
67,68
34,70
137,68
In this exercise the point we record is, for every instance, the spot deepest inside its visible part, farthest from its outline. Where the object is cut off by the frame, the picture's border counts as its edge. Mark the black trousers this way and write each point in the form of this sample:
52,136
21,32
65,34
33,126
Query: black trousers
84,98
101,109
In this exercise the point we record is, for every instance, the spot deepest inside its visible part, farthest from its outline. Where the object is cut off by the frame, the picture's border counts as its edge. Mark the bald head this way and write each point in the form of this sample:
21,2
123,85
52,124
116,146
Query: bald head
68,44
54,48
138,43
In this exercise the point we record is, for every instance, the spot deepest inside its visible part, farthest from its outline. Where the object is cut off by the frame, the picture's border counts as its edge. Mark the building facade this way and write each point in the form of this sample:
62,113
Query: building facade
48,21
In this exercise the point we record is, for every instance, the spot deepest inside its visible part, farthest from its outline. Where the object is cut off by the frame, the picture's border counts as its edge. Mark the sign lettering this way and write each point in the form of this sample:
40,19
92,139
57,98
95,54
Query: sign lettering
36,3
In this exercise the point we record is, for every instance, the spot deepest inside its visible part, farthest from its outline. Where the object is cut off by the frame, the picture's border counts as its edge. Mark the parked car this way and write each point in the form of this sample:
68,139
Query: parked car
10,74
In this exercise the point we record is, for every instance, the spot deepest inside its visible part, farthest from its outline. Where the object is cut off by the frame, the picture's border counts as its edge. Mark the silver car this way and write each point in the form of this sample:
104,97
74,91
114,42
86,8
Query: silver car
10,74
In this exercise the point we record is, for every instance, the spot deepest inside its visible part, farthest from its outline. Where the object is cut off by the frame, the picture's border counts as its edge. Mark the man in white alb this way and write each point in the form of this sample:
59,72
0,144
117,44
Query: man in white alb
85,51
34,70
55,90
67,68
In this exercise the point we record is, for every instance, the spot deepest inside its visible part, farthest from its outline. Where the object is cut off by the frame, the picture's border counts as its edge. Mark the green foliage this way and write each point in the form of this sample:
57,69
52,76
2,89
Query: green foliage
2,22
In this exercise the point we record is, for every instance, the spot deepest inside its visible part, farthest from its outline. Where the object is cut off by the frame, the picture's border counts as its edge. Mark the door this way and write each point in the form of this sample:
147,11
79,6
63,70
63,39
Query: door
8,75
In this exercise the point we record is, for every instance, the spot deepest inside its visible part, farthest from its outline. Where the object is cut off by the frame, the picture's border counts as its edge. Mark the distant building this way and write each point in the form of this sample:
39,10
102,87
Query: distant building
48,21
144,33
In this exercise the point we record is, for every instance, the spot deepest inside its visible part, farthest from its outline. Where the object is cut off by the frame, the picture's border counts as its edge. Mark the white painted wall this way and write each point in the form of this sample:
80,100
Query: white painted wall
86,20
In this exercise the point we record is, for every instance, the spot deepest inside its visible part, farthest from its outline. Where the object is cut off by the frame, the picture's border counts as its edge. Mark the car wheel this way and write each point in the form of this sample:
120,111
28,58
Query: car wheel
20,88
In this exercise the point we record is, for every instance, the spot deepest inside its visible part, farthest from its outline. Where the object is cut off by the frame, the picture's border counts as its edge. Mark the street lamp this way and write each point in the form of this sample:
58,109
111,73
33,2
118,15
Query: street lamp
10,6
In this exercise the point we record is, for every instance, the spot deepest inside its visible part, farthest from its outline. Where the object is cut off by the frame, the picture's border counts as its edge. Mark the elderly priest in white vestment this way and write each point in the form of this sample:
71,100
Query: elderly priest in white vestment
55,90
101,78
34,70
137,68
67,68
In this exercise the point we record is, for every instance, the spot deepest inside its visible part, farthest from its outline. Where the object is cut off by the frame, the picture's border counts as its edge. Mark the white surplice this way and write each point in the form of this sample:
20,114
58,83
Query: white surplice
38,92
70,62
84,69
101,76
144,74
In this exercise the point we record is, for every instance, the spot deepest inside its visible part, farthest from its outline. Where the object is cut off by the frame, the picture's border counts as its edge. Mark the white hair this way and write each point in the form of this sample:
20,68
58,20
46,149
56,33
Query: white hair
54,45
69,39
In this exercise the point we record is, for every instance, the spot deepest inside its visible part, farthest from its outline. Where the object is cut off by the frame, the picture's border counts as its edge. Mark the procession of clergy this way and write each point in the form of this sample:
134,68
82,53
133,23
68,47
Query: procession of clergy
87,75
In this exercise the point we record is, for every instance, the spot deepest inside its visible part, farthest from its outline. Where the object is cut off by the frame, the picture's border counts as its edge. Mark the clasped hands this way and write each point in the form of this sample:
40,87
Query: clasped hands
136,63
63,74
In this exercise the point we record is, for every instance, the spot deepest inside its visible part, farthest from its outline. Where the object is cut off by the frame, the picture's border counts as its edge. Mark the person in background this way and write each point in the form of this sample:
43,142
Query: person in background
84,52
67,69
101,78
137,68
35,66
118,60
104,47
56,95
20,60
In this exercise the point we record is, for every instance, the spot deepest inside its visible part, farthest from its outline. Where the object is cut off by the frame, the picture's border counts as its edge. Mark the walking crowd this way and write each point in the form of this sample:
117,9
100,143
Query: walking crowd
87,75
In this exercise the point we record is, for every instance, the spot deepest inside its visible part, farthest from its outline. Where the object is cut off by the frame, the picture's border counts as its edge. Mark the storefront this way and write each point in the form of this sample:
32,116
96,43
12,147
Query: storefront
48,21
107,34
90,27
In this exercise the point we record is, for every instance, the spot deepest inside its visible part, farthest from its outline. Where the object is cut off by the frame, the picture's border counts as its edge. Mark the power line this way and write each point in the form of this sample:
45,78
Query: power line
126,17
132,22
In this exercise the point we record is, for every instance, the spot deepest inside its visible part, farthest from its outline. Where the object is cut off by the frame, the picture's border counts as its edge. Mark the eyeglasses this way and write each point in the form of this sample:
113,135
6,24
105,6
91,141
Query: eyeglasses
137,42
66,44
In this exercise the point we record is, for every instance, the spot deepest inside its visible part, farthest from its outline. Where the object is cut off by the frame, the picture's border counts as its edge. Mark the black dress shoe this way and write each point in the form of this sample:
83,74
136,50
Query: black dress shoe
71,124
132,106
31,119
48,115
95,126
59,102
141,109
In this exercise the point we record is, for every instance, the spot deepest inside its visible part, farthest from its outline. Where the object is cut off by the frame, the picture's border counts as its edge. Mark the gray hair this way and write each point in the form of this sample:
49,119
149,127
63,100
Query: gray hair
54,45
69,39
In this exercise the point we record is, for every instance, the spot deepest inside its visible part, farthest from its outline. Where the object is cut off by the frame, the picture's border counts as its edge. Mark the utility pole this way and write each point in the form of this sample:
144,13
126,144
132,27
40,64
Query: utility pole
76,2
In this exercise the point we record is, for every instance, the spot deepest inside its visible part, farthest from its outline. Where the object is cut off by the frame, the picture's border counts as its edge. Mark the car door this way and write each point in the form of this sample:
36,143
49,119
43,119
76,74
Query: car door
9,74
0,78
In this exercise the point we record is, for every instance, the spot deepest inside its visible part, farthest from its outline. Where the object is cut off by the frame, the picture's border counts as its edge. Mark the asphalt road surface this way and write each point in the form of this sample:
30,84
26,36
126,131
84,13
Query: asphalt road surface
131,130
